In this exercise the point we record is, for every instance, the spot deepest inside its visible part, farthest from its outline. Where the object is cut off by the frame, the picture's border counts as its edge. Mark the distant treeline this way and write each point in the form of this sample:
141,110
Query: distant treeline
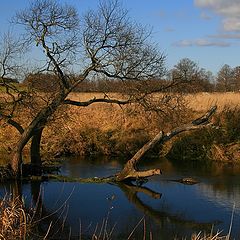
49,83
185,77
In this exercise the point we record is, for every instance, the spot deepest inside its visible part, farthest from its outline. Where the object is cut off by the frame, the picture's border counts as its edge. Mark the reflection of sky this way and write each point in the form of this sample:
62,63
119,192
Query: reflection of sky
201,203
179,208
224,199
89,204
85,169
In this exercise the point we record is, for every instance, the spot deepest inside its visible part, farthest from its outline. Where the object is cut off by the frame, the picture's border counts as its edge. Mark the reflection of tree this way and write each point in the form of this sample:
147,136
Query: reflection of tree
161,217
59,228
16,189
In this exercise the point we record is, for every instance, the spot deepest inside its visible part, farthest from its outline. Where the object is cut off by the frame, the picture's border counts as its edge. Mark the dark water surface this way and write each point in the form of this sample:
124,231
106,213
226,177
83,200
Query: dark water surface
166,208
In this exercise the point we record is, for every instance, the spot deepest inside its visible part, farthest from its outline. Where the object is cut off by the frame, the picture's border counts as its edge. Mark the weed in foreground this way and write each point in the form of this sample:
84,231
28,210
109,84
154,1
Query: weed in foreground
14,220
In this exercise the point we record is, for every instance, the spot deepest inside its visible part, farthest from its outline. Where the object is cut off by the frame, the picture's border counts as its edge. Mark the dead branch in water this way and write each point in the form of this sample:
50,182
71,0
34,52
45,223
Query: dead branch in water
130,171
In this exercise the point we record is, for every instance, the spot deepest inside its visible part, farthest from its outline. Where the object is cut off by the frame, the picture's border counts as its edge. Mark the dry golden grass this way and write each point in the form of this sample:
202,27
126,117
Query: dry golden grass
211,236
202,101
14,221
76,130
198,102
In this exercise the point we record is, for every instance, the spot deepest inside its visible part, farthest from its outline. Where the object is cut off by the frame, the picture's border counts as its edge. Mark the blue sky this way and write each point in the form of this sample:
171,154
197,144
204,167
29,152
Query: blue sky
206,31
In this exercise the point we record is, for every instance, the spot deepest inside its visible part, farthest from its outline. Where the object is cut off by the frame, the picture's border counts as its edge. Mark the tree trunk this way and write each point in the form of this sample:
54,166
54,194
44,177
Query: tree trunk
36,163
130,171
37,123
16,162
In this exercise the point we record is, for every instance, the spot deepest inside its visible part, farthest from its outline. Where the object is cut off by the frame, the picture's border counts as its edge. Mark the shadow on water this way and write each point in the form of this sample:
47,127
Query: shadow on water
55,221
165,221
169,208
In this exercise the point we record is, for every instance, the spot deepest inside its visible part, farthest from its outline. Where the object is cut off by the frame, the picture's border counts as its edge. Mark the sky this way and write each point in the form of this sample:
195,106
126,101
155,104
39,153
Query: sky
205,31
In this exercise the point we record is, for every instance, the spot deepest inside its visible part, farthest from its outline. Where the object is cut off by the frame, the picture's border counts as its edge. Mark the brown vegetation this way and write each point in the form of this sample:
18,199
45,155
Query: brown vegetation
202,101
15,222
221,142
114,130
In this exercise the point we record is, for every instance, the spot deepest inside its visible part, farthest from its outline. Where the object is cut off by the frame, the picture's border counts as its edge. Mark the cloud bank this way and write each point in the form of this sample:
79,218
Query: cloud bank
228,9
201,43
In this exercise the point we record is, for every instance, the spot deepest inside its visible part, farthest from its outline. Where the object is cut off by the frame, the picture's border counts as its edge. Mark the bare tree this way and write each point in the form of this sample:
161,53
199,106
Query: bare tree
236,71
108,44
10,69
185,72
225,79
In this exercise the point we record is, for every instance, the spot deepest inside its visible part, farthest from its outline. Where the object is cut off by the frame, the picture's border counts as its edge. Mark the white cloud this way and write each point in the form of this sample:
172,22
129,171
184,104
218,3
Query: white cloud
231,24
225,36
183,43
169,29
205,16
228,9
201,43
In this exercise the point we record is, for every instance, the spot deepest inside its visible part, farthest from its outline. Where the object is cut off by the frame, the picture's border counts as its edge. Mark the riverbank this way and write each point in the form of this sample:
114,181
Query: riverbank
106,129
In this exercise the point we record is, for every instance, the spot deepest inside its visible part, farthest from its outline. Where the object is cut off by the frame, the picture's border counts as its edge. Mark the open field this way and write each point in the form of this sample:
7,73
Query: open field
198,101
202,101
110,129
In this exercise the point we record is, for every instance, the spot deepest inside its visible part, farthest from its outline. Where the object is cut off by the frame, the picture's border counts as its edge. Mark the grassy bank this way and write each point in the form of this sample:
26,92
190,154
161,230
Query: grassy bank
113,130
220,143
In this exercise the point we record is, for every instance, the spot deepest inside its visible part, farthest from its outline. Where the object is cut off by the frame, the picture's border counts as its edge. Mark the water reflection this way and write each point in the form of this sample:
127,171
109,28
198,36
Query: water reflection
170,208
162,218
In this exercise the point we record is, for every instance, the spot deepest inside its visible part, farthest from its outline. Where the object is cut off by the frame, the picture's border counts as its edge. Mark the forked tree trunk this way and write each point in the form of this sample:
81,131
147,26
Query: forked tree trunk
34,129
16,162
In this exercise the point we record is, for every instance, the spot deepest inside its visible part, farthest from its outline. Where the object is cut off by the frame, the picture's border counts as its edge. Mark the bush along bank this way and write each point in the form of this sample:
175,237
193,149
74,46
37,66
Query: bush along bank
220,142
94,141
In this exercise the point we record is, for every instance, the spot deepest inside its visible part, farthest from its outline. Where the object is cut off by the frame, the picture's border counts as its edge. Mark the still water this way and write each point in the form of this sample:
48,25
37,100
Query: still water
163,208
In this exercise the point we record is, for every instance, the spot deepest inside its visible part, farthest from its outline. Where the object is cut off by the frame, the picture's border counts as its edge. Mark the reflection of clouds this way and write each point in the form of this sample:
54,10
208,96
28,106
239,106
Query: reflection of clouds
226,198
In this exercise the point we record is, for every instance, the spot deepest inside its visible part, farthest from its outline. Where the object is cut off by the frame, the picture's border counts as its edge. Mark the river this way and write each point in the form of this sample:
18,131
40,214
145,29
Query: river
161,208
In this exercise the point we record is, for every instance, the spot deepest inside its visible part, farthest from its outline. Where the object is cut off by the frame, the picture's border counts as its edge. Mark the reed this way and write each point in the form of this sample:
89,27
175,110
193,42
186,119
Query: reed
210,236
15,222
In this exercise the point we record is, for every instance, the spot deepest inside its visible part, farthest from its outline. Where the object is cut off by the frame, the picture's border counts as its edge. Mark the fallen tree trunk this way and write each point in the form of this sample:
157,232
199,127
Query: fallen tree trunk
130,171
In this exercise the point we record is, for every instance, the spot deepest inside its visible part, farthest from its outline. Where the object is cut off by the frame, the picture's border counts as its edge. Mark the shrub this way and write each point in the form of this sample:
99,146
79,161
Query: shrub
220,142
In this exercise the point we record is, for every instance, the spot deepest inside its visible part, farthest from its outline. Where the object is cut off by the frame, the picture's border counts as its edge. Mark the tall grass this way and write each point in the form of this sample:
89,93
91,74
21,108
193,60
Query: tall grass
15,221
202,101
109,129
